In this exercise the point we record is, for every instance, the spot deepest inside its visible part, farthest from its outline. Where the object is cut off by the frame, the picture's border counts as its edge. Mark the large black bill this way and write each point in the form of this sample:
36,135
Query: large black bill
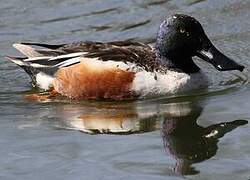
219,60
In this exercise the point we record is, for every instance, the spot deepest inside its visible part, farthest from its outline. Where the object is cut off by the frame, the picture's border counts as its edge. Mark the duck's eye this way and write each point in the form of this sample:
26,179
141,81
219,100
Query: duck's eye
182,31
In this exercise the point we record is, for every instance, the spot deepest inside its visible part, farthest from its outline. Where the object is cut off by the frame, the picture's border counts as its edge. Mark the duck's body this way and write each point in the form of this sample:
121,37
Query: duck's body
114,70
121,69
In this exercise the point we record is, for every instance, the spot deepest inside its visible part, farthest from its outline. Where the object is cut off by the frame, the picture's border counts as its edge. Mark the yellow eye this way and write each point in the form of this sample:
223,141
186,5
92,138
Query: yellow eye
182,31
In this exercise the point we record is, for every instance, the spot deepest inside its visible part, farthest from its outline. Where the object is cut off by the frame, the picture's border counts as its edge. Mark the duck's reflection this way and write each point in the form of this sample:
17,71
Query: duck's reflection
116,119
190,143
183,138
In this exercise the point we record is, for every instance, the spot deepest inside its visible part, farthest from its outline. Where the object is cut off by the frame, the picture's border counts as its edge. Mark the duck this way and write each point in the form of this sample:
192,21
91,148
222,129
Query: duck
119,70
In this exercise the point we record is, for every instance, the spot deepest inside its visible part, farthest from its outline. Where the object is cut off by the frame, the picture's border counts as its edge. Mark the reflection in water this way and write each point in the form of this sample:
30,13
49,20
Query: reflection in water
190,143
116,119
182,137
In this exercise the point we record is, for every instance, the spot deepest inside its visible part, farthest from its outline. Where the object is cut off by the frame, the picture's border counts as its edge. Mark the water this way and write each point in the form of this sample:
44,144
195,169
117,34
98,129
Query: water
198,135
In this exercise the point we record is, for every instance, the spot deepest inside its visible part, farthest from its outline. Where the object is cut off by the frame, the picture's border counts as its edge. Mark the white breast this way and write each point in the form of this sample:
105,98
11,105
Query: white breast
155,83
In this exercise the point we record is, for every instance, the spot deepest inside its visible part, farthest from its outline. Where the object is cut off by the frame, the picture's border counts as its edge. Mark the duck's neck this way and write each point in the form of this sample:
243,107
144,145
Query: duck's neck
180,64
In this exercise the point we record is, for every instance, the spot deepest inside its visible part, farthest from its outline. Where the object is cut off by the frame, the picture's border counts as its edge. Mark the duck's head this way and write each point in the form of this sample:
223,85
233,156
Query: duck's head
181,37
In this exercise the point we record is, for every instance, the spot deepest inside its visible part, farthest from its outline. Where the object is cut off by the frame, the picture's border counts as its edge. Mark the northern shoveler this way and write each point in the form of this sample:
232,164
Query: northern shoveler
125,69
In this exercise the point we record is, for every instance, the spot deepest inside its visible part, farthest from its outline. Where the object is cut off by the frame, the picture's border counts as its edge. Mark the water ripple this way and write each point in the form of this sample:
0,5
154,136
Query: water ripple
130,26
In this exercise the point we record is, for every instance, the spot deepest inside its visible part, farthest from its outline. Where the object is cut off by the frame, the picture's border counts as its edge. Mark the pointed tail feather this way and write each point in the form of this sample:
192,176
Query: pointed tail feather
29,51
32,72
17,60
32,69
